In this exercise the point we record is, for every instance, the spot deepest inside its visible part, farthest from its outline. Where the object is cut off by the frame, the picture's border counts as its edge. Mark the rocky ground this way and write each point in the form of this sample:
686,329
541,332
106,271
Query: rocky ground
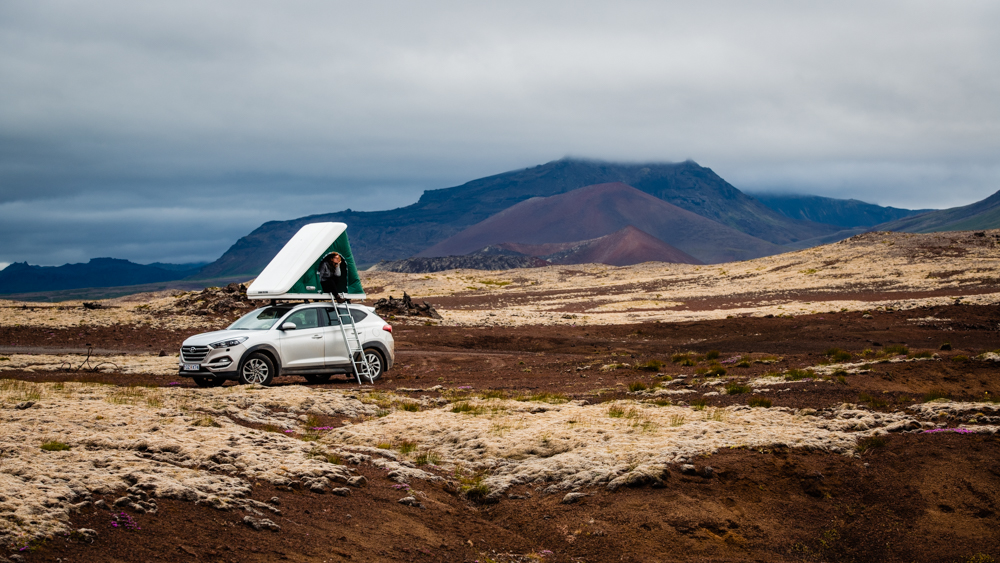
778,416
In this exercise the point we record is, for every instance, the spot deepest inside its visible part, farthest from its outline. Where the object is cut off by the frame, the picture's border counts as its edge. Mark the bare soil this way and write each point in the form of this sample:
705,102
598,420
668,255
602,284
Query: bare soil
547,358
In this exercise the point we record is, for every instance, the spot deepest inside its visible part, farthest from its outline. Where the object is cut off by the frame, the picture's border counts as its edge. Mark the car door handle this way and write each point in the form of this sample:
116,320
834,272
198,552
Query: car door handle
317,336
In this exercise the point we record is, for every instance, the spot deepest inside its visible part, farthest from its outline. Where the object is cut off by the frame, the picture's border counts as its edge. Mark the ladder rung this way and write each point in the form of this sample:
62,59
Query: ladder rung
353,341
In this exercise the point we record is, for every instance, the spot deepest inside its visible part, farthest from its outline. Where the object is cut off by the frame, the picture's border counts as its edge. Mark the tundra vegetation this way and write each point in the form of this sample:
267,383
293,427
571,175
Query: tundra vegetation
750,416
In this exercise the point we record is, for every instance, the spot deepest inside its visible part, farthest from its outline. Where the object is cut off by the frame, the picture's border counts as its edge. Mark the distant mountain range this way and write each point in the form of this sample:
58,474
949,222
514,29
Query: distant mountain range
440,214
20,277
844,213
981,215
666,212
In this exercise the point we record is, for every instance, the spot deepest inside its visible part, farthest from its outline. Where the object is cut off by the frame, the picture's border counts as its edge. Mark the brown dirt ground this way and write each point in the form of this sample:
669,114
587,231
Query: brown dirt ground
931,497
921,497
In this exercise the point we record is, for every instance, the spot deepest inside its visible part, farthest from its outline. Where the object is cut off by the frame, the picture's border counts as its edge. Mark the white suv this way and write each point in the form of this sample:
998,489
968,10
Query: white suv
303,339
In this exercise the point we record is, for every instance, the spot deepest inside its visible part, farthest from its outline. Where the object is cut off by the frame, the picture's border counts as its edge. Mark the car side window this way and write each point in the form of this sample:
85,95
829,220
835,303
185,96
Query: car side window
306,318
331,315
357,315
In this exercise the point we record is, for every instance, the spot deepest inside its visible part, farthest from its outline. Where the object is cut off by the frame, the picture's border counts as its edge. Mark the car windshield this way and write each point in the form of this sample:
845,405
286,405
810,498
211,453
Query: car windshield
261,319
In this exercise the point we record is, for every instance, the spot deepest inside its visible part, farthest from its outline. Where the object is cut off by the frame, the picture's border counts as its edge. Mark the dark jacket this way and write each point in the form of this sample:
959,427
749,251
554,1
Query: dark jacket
330,281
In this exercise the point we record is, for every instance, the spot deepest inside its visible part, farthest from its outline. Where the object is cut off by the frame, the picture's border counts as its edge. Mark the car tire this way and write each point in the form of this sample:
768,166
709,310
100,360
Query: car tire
257,368
376,361
208,382
317,378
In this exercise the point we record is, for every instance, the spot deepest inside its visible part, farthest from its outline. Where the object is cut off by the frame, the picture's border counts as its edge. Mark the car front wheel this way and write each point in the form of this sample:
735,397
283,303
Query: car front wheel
257,368
376,364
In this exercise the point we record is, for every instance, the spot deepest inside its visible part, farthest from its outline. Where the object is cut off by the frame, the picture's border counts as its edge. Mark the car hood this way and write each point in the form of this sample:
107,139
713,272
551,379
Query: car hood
206,338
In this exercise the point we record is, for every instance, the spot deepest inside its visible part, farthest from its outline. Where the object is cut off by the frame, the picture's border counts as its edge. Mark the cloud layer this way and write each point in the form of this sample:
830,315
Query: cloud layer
165,131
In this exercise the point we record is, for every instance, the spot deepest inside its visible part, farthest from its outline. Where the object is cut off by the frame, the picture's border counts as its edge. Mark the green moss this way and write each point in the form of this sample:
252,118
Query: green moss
55,446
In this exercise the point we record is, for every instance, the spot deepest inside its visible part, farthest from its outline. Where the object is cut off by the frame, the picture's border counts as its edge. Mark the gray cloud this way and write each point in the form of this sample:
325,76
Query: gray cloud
165,131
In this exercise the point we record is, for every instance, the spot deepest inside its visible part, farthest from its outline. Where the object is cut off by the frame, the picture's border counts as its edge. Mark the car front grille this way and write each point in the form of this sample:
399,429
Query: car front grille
193,354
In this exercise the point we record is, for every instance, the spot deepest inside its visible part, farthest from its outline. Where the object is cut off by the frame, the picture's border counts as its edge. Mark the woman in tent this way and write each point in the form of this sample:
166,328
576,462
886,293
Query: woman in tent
333,276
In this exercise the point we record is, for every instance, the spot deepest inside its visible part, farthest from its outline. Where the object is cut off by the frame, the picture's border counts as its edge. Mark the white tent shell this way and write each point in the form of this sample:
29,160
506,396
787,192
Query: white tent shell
294,261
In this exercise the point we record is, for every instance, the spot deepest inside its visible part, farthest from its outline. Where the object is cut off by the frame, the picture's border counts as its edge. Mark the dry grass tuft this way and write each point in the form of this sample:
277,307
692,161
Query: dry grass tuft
427,458
895,350
799,374
651,365
733,388
869,443
636,386
17,390
465,407
872,401
838,355
206,422
936,394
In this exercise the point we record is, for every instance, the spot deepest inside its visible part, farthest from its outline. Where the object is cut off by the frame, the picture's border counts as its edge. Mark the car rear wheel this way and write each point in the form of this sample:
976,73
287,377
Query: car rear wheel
257,368
318,378
208,381
376,363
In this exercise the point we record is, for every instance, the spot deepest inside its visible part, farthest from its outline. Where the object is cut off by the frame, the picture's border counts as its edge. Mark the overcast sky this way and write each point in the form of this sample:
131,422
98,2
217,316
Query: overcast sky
165,131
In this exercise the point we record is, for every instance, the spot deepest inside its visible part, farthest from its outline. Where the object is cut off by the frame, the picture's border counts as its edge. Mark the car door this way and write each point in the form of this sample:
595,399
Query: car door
304,346
334,344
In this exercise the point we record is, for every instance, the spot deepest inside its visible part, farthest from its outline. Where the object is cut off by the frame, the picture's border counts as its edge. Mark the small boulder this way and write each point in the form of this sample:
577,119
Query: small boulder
571,498
262,524
652,475
410,501
341,491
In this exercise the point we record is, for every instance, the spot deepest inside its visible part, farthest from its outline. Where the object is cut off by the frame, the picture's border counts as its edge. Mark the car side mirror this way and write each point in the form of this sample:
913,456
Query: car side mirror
288,326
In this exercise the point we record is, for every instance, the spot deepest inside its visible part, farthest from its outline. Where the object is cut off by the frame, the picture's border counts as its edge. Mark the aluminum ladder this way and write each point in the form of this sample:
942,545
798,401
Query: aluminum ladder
359,363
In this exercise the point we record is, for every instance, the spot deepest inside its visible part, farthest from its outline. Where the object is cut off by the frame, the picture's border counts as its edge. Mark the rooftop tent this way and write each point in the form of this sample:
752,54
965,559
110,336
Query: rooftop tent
293,272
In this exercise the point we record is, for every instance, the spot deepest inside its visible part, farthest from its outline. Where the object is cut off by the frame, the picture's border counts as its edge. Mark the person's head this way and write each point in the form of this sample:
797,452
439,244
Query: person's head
334,258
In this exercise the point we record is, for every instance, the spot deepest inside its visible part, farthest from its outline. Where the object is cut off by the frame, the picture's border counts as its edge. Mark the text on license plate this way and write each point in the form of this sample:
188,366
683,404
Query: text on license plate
192,367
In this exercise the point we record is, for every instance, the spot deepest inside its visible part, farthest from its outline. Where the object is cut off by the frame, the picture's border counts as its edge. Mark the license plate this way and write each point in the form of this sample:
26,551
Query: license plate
192,367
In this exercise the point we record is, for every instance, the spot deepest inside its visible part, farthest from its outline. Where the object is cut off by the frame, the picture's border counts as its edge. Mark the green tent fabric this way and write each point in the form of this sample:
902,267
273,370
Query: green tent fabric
309,282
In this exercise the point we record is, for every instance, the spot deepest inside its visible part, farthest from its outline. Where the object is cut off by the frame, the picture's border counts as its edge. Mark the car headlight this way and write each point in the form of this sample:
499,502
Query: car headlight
228,343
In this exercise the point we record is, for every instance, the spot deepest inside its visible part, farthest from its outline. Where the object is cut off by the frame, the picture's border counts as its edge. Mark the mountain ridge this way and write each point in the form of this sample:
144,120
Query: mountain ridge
21,277
843,213
442,213
594,211
980,215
